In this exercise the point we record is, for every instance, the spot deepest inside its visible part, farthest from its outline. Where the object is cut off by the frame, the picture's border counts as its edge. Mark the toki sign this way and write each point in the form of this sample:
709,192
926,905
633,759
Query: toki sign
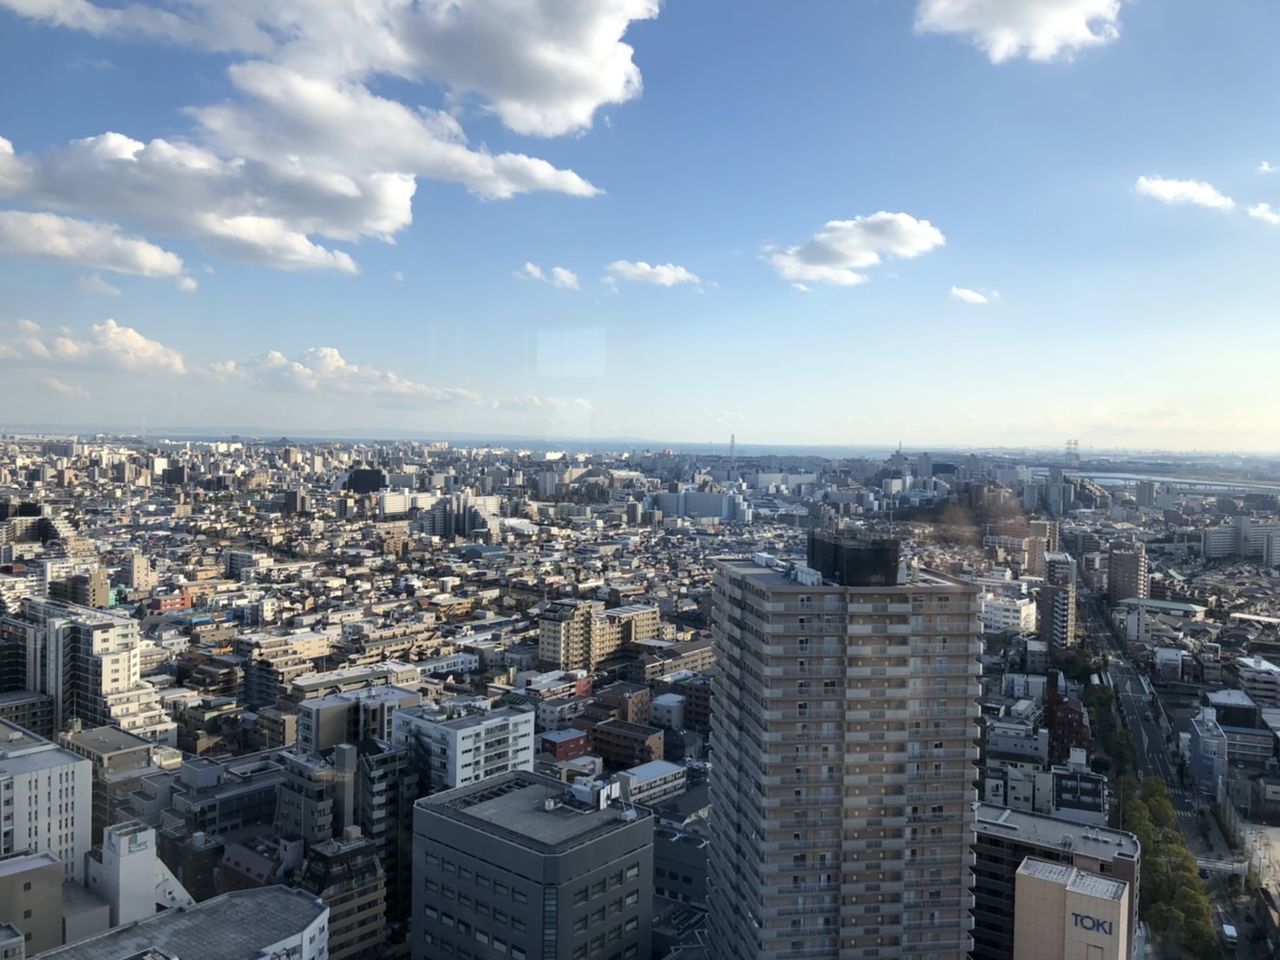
1092,924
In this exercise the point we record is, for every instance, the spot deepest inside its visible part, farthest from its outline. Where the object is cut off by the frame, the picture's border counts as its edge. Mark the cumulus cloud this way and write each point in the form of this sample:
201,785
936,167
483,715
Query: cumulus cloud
304,154
1265,167
561,277
108,345
325,370
102,246
541,68
565,278
842,248
975,297
1195,192
93,283
1040,30
1266,213
660,274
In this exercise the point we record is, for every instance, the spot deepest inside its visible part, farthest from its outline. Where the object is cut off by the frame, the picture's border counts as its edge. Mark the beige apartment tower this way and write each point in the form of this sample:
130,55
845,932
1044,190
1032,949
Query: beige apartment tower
843,728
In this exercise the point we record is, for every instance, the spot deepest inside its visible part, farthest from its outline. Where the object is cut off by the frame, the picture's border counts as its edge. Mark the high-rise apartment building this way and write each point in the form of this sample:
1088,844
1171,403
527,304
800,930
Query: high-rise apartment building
46,798
88,661
1057,600
1127,572
843,728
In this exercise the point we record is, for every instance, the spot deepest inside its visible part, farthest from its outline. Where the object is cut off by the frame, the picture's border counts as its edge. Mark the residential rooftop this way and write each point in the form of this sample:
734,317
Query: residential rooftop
527,809
1102,843
234,926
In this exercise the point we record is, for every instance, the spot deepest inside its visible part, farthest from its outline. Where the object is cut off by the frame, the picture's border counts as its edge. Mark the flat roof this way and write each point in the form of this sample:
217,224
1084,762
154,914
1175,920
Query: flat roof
1163,604
653,769
16,740
1102,843
775,579
513,806
22,862
1229,698
1257,663
108,740
234,926
1074,879
563,736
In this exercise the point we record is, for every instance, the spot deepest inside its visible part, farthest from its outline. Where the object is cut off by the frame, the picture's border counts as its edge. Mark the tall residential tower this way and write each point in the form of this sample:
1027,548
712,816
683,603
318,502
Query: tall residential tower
843,732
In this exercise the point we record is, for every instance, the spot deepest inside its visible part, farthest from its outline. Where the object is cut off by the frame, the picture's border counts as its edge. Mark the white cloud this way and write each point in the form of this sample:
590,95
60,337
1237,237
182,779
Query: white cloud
1195,192
304,151
101,246
975,297
107,345
187,284
1266,213
660,274
398,277
566,278
531,401
802,288
561,277
325,370
64,388
1265,167
93,283
1040,30
542,68
842,248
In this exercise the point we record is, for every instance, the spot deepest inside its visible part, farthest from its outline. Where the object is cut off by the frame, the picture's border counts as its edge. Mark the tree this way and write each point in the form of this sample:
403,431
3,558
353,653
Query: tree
1162,812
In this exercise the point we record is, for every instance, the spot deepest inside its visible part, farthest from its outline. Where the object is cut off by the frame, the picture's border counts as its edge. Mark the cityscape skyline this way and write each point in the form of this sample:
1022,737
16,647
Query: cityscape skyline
224,243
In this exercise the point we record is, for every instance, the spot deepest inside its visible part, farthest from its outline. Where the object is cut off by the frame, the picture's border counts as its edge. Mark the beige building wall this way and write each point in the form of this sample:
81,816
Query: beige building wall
1064,913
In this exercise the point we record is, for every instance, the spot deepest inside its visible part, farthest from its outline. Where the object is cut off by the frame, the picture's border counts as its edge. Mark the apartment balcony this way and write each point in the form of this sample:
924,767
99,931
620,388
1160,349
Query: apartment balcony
895,715
815,648
891,673
876,779
879,629
858,607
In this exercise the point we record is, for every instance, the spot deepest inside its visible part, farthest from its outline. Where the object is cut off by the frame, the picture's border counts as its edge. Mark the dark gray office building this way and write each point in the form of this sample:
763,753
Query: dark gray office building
522,867
1004,838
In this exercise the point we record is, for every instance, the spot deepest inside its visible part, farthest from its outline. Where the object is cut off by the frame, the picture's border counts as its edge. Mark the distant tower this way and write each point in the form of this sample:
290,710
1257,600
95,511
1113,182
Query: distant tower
733,456
1072,456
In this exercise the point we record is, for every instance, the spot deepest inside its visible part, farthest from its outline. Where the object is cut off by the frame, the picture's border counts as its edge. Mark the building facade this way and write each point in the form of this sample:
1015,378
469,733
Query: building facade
46,795
844,737
521,866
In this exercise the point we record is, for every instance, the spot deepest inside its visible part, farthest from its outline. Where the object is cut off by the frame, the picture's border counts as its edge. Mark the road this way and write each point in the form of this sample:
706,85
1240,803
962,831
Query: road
1149,735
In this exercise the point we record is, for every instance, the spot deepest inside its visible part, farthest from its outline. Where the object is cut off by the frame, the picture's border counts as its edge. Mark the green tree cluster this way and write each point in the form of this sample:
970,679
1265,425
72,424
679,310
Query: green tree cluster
1108,736
1173,899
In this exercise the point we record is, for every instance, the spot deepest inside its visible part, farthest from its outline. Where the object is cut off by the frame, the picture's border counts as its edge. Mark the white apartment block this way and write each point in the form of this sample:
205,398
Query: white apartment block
89,662
1260,679
46,799
467,746
1004,614
844,735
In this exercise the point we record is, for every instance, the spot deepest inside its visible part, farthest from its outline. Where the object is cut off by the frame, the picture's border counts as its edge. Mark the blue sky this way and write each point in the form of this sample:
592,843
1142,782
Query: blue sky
781,219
